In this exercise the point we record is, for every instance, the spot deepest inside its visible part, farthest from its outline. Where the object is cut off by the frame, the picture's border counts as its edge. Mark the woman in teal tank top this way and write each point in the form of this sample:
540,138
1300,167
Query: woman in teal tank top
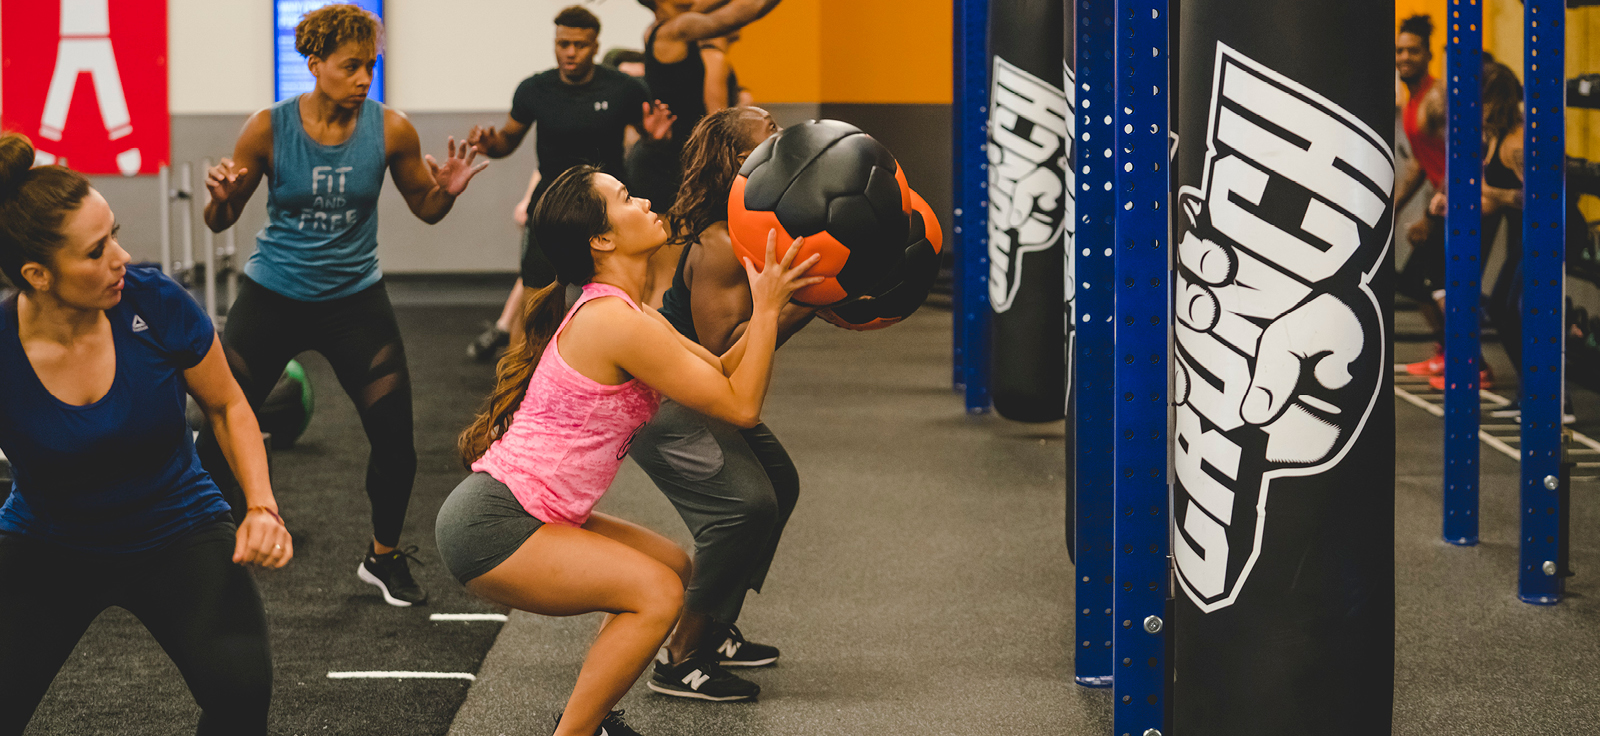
314,281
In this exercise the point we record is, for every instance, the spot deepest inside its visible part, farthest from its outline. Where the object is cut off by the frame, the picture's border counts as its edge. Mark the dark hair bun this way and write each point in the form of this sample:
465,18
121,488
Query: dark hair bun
1418,25
16,158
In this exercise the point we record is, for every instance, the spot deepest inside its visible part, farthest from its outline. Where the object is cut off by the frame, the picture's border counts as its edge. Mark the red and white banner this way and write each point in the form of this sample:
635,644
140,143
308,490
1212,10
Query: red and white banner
87,81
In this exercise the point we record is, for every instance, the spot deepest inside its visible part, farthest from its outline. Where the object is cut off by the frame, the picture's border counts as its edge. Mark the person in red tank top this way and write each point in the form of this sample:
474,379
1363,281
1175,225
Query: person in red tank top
1422,278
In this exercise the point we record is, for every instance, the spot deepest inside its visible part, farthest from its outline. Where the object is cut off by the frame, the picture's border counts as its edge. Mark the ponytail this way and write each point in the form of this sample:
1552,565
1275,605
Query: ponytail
536,323
567,217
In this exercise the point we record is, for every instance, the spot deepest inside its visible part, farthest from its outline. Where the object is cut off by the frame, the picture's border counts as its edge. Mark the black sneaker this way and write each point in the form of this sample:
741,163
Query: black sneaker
487,344
729,646
611,725
701,678
393,576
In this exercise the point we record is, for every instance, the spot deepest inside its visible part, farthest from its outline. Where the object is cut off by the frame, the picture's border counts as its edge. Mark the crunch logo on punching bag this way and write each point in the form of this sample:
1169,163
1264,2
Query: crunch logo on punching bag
1029,140
1280,344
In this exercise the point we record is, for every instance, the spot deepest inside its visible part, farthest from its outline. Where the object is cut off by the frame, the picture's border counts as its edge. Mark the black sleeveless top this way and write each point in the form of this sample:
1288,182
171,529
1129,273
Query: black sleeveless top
681,84
1497,174
675,302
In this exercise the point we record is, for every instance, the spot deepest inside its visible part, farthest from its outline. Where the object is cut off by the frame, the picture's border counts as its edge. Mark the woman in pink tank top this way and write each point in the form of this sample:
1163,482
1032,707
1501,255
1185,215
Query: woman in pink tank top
574,387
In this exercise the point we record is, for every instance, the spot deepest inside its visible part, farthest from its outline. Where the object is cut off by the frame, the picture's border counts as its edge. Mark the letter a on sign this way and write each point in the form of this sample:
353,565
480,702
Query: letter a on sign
87,81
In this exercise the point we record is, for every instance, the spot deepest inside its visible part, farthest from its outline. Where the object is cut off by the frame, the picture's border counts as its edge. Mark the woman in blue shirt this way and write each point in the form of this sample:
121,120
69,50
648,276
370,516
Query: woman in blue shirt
314,281
110,506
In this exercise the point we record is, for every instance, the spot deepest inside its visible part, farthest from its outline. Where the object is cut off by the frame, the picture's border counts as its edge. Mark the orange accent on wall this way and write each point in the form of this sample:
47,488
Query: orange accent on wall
862,51
780,56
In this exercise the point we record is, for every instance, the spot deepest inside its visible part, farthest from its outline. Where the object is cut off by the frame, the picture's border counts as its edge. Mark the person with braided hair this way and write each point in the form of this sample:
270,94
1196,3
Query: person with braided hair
110,506
314,281
735,487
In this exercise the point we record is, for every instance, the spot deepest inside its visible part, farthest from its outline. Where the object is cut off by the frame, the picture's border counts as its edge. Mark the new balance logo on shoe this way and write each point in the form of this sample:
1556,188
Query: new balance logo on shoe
138,324
729,648
695,679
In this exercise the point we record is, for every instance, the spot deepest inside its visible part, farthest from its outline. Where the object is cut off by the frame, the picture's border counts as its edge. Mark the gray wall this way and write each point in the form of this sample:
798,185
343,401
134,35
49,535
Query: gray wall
479,235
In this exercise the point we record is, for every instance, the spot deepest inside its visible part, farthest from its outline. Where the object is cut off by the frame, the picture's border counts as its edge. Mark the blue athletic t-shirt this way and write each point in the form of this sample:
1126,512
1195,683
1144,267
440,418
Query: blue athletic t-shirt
120,474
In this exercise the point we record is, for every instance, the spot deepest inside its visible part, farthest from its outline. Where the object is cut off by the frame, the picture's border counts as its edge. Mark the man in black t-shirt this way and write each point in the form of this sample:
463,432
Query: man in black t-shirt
582,111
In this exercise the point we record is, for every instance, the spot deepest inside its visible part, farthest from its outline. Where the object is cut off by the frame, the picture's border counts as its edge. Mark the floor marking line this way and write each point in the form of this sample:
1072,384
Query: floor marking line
402,676
468,617
1438,411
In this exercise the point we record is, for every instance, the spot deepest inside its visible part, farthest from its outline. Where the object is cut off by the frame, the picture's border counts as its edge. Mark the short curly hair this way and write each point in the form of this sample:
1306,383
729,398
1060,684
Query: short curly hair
322,31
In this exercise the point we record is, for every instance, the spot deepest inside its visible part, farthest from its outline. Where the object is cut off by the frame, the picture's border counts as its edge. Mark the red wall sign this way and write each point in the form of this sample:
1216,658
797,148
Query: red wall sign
87,81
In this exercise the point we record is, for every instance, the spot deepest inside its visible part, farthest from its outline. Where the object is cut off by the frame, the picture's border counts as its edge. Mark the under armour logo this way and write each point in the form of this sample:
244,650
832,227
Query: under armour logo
729,648
138,324
695,679
602,105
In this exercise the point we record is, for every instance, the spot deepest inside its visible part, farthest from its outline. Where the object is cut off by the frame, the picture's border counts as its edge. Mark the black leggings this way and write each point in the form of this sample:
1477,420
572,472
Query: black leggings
202,609
360,338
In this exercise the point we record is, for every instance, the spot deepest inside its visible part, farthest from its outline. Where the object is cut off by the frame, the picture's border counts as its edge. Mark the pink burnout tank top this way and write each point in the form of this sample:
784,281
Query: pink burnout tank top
569,436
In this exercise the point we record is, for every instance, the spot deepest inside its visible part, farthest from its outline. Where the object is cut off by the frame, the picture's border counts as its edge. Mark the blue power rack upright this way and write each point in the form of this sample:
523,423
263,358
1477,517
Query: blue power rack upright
970,172
1094,372
1463,270
1142,189
1543,260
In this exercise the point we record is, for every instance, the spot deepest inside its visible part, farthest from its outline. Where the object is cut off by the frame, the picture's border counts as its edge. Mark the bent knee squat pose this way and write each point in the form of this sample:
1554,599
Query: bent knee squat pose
314,281
110,506
572,392
734,486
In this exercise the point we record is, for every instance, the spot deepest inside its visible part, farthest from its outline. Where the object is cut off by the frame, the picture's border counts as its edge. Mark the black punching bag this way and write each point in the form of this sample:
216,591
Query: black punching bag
1028,207
1283,434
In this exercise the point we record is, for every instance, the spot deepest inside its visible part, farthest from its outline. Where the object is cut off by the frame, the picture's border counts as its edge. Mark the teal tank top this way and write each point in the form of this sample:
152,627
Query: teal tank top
321,238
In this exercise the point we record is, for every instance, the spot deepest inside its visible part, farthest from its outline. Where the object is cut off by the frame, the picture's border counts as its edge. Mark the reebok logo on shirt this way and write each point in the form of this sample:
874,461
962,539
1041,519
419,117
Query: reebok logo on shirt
139,324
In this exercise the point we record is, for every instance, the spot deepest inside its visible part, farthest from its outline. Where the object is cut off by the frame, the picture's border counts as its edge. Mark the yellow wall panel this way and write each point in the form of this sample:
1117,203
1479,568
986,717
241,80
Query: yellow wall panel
887,51
780,56
860,51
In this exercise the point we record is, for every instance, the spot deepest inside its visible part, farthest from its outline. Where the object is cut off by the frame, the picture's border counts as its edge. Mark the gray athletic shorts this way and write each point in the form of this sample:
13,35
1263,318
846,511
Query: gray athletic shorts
480,525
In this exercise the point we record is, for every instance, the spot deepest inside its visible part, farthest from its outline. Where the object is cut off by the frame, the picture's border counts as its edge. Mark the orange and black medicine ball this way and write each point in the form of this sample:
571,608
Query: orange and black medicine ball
842,191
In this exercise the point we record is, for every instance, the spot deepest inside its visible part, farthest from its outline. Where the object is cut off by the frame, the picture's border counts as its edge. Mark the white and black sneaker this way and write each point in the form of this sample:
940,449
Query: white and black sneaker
731,649
392,575
701,678
611,725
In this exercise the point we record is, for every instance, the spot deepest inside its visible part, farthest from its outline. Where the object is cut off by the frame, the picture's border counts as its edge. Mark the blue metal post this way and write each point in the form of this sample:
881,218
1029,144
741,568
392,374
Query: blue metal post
1142,310
1094,372
972,202
1463,269
958,102
1543,258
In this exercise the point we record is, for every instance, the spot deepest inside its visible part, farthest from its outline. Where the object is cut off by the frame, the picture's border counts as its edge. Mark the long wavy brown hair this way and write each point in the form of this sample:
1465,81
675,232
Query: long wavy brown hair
711,160
1502,100
569,215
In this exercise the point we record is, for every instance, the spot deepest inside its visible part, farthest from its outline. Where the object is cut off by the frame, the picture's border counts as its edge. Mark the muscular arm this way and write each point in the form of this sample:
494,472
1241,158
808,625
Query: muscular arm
675,39
429,202
719,297
714,54
646,348
1410,184
253,154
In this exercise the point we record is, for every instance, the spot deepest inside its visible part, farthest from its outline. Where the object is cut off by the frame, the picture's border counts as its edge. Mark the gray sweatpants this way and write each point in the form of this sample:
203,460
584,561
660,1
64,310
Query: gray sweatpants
734,488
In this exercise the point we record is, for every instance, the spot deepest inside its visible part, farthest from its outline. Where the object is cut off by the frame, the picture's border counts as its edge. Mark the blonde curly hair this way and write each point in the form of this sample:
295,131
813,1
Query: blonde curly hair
324,30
